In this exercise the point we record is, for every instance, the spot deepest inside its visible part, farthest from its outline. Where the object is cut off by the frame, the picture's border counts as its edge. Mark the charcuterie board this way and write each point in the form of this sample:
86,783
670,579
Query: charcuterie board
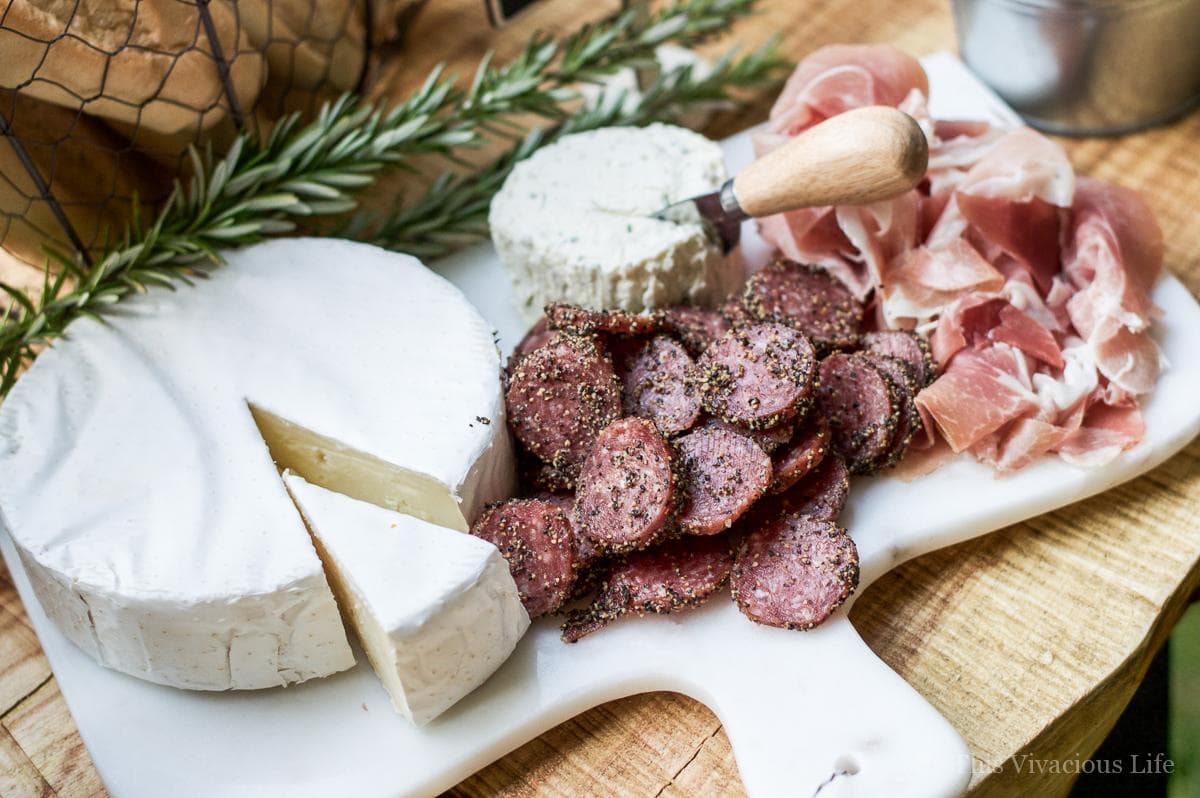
804,711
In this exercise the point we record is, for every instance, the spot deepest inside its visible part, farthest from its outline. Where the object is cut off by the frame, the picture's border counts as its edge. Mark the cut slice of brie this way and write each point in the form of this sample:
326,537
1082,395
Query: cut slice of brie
138,486
436,610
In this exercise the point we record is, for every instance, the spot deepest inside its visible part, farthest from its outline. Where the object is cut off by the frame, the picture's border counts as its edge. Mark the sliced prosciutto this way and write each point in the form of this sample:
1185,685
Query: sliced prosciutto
1113,260
1032,286
1014,200
840,77
925,280
982,318
852,242
979,393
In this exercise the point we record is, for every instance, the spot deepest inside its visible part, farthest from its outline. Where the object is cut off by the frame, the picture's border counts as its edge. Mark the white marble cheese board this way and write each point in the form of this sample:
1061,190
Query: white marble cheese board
804,711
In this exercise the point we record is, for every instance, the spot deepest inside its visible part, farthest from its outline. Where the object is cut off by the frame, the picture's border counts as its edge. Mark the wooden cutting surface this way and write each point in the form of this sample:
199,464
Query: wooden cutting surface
1030,640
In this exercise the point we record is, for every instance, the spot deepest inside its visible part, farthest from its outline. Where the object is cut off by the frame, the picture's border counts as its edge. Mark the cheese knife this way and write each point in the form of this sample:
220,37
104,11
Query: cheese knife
855,158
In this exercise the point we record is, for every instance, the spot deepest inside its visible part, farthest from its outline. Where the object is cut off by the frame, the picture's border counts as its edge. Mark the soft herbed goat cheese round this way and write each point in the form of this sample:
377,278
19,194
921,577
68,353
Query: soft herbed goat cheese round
139,454
572,221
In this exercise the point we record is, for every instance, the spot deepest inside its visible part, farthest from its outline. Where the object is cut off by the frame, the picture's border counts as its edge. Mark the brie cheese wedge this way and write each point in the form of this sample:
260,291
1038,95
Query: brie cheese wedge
436,610
139,454
571,223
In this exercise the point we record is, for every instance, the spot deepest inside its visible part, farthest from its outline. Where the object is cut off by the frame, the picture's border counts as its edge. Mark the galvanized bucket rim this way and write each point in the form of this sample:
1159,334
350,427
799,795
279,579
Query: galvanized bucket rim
1090,6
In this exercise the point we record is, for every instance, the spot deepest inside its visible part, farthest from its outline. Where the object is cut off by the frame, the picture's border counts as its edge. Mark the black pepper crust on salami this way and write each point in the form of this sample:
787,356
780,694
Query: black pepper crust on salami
695,328
910,420
677,575
581,321
659,379
808,298
537,476
758,375
559,398
771,439
724,473
820,496
804,454
794,572
537,336
536,538
863,407
627,493
735,312
587,553
766,436
591,563
909,347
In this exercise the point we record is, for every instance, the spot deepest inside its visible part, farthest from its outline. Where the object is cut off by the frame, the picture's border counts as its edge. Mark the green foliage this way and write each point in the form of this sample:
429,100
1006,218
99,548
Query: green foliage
453,211
265,188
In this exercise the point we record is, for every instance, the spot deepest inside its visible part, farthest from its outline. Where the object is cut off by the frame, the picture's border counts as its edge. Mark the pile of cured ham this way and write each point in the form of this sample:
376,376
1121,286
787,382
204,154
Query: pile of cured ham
1032,284
1000,308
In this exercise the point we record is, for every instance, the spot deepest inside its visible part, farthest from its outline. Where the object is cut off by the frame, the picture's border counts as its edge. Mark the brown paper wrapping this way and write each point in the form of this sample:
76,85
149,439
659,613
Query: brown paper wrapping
106,95
94,173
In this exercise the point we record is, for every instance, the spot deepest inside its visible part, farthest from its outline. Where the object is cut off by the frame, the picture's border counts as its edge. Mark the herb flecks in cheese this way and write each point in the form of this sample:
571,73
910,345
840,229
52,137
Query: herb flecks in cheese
572,222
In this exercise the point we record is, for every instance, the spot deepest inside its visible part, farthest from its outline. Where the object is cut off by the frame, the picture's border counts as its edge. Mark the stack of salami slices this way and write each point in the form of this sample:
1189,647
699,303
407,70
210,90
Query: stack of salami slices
664,454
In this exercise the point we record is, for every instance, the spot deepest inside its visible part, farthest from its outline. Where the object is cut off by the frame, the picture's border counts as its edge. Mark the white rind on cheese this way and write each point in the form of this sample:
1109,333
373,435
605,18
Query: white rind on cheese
436,610
144,502
571,222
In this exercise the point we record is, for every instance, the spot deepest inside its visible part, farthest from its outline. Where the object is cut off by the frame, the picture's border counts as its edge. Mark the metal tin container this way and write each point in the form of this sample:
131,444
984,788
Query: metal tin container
1086,67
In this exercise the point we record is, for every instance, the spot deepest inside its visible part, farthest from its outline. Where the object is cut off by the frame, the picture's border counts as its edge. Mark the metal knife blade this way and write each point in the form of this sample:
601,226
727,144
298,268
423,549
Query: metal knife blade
719,212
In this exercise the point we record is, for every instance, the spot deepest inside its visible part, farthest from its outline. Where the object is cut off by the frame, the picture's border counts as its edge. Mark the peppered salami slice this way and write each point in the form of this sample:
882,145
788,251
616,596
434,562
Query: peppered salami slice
591,563
627,487
862,404
587,553
695,328
678,574
537,336
794,572
724,473
581,321
802,455
822,494
559,398
769,438
910,420
913,349
537,476
536,539
735,312
909,347
660,384
808,298
758,375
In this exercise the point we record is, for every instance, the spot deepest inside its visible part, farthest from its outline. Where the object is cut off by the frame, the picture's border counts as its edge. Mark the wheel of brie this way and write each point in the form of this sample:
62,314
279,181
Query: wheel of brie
571,222
139,455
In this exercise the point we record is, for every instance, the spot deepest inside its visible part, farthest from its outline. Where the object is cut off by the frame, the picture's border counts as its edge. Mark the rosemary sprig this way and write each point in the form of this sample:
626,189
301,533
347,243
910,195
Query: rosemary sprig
264,188
453,210
540,79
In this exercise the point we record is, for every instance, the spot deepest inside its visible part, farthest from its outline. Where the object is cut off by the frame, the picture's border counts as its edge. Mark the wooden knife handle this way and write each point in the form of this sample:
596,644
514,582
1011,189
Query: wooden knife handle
854,158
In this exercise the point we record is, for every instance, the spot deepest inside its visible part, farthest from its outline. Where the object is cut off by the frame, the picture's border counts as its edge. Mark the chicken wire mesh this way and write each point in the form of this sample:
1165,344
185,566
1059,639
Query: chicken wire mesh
100,99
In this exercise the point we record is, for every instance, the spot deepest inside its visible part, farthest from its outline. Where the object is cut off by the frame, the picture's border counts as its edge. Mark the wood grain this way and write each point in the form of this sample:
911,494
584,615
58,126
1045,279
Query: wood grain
862,156
1030,641
42,727
19,777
